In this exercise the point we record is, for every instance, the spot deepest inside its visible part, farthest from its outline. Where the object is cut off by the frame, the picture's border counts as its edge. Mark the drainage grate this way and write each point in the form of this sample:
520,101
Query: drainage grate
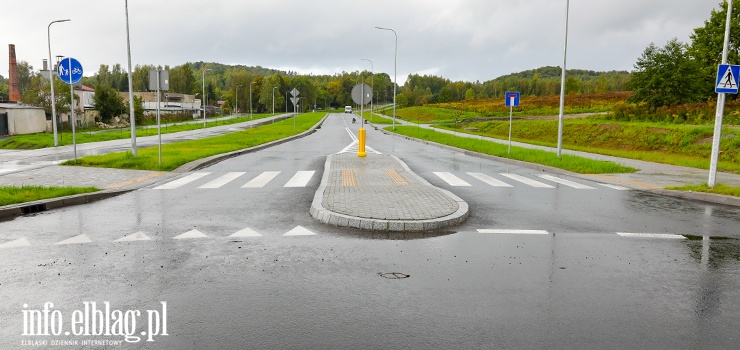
34,208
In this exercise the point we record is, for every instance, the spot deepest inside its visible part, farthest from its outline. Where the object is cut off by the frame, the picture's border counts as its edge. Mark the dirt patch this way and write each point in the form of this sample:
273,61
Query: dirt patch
609,127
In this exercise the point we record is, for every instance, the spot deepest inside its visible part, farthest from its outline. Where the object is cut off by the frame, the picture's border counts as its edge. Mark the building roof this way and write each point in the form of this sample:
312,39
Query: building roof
87,88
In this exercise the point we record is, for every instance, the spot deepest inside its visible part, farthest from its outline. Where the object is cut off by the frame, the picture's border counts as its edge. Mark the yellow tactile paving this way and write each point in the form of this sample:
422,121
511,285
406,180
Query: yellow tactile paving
348,177
396,177
135,180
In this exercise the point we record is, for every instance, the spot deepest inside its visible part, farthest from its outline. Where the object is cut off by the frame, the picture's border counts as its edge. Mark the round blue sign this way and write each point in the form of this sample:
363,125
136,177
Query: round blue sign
69,70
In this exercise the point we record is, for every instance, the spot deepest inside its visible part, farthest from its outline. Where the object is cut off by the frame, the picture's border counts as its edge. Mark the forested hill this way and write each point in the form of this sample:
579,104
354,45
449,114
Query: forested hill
546,81
550,72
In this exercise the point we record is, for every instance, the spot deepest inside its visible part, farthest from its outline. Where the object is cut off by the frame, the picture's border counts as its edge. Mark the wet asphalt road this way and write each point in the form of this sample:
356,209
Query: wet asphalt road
580,286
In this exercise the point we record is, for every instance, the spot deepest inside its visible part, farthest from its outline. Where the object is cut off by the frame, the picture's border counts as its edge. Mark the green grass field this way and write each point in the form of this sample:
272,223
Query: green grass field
566,162
179,153
15,195
718,189
42,140
683,145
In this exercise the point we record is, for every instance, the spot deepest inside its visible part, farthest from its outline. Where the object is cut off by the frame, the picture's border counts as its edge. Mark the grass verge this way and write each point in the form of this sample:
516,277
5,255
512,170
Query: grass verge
179,153
566,162
14,195
43,140
377,118
718,189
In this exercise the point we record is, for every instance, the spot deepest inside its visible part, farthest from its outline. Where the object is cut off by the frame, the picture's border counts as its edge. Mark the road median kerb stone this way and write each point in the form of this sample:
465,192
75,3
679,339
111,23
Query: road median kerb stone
376,203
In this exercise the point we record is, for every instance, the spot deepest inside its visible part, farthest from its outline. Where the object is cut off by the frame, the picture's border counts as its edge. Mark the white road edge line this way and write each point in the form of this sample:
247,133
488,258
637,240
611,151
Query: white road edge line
514,232
651,235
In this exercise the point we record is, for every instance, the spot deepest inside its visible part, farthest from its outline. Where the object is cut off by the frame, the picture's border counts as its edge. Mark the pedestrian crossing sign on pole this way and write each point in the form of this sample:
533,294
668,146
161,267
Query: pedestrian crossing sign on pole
727,79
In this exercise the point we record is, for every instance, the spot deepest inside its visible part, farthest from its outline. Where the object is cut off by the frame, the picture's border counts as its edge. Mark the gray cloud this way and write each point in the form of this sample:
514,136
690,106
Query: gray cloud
458,39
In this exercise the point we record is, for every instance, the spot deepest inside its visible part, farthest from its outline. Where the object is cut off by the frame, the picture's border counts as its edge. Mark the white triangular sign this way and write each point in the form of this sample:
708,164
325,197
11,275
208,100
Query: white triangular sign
75,240
20,242
728,81
247,232
299,231
191,234
138,236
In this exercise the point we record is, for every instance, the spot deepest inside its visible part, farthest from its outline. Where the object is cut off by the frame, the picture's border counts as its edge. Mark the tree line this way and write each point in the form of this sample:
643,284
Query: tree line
681,73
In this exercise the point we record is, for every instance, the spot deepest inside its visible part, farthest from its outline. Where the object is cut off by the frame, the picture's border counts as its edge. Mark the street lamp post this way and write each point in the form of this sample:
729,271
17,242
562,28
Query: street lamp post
395,60
562,82
372,86
286,102
236,100
250,99
203,79
51,82
131,114
273,101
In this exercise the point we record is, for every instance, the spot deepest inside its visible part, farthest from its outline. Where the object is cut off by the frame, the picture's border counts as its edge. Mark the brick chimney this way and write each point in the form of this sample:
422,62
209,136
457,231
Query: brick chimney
14,91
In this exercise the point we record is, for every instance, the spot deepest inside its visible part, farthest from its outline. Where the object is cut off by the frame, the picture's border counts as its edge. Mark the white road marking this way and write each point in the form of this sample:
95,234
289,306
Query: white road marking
75,240
299,231
616,187
527,181
489,180
247,232
354,147
261,180
452,180
20,242
300,179
651,235
191,234
514,232
352,135
181,181
138,236
7,170
223,180
566,182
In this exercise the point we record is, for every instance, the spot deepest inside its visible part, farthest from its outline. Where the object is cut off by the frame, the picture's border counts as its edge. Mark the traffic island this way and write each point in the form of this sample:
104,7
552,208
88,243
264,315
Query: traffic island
380,193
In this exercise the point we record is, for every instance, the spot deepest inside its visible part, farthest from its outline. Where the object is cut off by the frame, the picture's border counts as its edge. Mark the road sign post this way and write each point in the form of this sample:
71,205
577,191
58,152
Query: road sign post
512,100
159,80
70,71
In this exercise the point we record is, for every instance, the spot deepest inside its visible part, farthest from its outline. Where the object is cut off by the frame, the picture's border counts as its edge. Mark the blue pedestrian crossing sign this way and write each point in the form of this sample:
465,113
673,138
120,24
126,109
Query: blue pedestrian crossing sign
512,99
727,79
69,70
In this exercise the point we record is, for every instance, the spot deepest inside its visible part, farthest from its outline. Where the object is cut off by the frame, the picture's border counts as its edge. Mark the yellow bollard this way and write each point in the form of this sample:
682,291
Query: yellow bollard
361,147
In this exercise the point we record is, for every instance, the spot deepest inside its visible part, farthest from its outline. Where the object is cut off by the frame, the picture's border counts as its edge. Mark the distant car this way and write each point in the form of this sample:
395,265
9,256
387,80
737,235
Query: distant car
347,109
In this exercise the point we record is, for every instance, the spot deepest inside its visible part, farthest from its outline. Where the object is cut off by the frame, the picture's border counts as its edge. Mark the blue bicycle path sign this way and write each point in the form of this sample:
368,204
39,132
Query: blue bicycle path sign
69,70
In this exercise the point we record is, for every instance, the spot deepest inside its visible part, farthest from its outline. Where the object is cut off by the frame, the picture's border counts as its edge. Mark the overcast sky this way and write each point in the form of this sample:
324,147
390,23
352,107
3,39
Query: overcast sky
457,39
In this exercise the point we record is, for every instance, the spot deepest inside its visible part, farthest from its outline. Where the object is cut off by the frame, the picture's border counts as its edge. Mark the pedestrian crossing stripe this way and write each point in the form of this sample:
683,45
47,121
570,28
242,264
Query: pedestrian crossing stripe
299,231
223,180
527,181
489,180
20,242
261,180
566,182
452,180
247,232
300,179
615,187
75,240
191,234
138,236
181,181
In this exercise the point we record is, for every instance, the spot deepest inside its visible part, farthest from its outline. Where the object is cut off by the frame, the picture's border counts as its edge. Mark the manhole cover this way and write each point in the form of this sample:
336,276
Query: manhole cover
393,275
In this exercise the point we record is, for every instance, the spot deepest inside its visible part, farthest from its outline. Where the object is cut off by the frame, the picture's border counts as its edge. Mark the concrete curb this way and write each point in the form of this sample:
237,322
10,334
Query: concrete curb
694,196
326,216
11,211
